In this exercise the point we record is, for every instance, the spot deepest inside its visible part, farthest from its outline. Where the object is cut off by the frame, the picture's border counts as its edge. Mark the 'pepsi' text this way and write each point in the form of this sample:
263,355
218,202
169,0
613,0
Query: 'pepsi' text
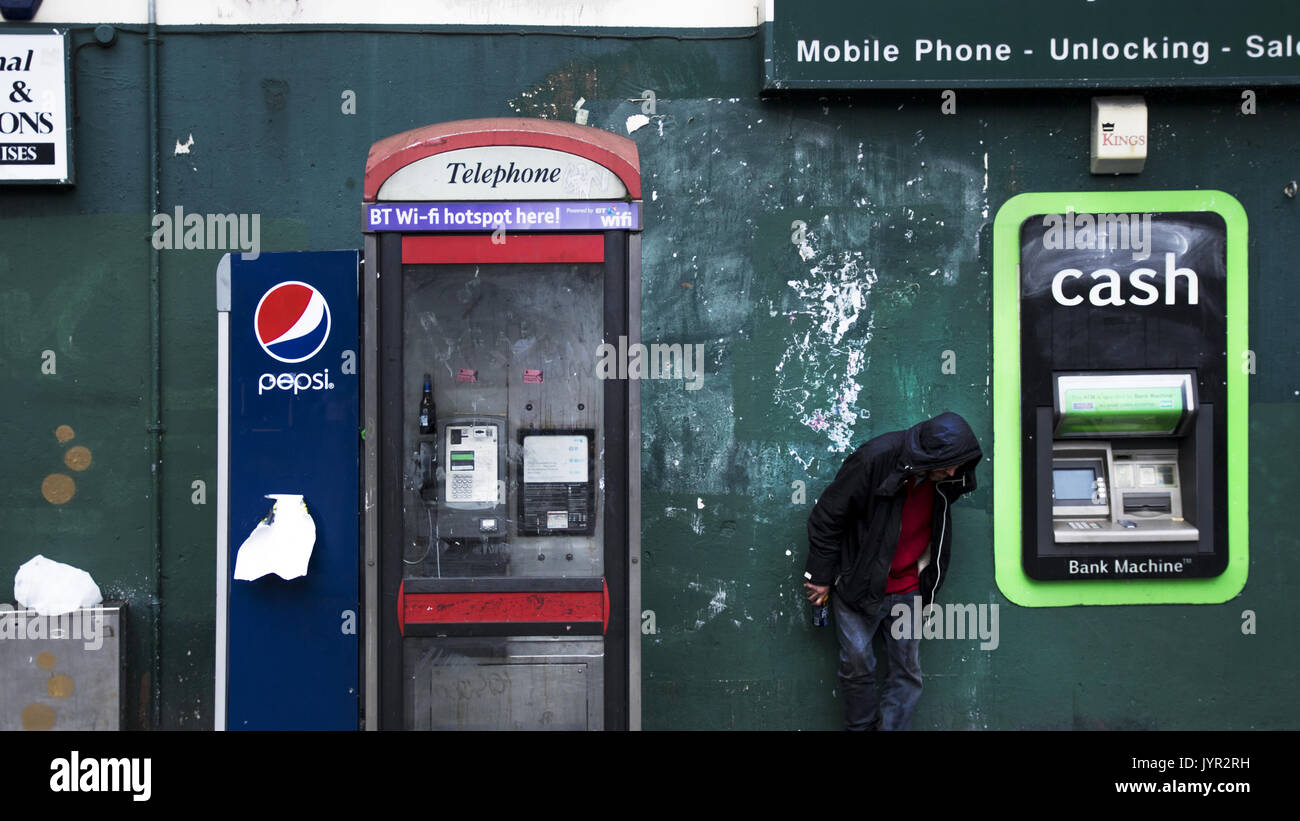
295,382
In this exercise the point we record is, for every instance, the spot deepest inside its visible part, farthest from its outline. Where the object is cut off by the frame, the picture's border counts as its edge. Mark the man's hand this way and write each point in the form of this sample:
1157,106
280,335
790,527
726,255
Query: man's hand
817,593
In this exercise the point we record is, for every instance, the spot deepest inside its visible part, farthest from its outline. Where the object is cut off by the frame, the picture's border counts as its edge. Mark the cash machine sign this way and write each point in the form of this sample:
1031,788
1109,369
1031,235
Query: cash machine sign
292,322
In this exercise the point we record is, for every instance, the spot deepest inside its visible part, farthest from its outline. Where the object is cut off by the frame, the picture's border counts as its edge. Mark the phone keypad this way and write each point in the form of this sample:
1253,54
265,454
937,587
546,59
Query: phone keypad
461,487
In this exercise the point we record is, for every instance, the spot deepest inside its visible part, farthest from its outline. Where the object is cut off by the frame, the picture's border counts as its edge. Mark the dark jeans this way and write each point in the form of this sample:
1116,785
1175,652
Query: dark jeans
863,710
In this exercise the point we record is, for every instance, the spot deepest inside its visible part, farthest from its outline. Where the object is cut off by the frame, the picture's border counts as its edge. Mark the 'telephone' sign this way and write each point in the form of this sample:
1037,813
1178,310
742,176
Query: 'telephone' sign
34,127
503,172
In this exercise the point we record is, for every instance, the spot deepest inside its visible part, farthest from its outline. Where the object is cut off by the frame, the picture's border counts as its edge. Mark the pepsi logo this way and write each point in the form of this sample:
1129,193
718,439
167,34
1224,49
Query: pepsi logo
292,322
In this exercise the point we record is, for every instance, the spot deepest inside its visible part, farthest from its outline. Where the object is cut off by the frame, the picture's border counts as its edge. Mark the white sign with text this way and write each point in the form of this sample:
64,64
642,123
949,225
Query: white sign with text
503,172
34,129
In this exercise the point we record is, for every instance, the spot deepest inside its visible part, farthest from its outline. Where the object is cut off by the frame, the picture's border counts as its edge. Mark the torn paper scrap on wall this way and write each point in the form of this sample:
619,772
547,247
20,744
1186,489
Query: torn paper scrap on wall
281,543
53,588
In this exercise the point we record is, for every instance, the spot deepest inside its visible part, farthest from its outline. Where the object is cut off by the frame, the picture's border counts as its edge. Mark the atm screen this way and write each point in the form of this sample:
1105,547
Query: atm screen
1073,483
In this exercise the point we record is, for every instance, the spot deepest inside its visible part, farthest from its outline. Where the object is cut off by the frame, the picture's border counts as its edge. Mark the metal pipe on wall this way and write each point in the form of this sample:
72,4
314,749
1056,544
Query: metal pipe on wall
155,426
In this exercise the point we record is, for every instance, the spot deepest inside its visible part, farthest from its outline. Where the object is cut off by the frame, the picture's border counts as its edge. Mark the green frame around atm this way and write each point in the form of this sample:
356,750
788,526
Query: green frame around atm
1011,577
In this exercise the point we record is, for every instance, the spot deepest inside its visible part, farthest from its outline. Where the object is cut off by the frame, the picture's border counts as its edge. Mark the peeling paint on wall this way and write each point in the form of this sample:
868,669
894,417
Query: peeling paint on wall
825,391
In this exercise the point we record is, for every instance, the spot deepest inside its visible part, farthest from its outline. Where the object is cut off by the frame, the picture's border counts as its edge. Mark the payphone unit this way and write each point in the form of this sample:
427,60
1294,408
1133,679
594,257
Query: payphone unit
470,477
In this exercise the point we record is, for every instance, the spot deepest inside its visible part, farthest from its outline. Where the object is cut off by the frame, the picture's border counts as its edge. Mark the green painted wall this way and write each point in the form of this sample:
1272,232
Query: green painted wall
811,348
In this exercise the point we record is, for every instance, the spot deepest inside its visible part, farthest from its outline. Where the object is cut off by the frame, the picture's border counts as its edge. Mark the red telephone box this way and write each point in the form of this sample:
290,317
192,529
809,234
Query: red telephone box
501,473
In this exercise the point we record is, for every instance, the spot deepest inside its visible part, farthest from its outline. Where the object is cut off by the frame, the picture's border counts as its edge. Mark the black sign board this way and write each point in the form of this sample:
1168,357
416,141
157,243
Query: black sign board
841,44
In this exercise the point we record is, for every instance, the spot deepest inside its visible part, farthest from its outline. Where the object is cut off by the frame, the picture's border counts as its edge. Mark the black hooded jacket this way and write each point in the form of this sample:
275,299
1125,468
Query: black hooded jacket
854,527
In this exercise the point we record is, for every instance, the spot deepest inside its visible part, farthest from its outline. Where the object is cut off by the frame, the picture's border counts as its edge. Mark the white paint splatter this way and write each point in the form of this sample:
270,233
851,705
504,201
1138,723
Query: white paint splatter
717,603
825,391
184,147
699,503
806,251
985,210
637,121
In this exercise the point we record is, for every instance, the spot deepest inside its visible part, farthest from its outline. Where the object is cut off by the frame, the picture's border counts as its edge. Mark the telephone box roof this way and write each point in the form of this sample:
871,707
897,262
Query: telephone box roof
612,151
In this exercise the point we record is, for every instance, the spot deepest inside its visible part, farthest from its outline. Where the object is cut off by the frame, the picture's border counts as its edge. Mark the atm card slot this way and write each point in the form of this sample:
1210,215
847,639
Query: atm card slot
1147,503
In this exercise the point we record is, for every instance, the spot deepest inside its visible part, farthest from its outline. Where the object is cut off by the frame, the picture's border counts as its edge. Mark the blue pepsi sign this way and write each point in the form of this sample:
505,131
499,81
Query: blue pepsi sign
294,403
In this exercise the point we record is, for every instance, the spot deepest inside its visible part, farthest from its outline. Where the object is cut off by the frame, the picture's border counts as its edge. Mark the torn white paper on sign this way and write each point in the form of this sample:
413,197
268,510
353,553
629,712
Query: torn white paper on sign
53,588
281,543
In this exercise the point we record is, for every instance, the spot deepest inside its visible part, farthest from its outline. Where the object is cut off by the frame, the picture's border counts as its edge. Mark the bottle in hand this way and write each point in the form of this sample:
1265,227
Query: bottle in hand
426,406
821,612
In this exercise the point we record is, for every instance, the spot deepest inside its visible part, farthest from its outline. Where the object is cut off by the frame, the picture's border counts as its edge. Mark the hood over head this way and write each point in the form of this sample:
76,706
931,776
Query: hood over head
945,440
939,442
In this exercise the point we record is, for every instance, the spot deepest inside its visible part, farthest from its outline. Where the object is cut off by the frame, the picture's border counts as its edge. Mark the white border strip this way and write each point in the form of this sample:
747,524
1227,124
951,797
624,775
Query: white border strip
223,496
609,14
